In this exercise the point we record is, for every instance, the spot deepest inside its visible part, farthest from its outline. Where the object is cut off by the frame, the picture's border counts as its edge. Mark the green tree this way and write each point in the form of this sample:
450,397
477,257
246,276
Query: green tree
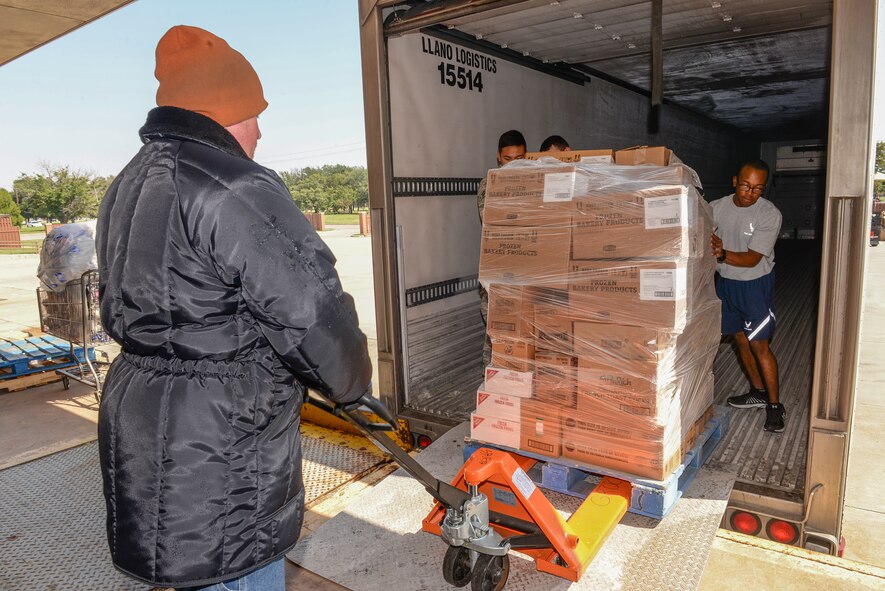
356,181
8,205
330,188
307,188
60,193
880,157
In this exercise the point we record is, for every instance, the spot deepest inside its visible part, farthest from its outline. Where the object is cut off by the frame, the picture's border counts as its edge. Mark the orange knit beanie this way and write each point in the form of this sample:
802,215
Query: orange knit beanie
200,72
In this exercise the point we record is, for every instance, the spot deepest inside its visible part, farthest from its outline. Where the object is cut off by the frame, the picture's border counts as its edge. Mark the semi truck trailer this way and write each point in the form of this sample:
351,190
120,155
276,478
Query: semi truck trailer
719,82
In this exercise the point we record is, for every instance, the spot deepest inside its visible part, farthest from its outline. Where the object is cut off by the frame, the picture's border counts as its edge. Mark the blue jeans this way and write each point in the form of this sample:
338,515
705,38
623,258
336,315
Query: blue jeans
270,577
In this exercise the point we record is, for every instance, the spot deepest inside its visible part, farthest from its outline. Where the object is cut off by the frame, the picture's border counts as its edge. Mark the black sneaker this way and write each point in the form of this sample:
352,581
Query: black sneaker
752,399
774,417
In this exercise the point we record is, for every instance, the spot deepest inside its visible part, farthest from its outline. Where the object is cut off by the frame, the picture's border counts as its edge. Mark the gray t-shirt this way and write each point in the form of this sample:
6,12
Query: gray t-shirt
747,228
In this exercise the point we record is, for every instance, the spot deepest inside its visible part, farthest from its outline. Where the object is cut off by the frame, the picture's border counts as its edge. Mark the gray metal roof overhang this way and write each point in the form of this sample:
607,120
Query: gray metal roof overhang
759,65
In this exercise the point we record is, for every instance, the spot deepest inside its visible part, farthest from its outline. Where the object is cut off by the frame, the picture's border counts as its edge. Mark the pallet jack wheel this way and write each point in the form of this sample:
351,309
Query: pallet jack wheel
66,382
456,566
490,573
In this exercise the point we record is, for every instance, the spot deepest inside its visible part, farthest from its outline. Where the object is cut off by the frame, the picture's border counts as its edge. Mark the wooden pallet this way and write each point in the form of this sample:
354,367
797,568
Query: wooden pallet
37,354
29,381
652,498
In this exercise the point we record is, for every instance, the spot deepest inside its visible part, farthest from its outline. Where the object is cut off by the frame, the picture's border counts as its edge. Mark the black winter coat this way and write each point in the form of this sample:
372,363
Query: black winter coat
226,304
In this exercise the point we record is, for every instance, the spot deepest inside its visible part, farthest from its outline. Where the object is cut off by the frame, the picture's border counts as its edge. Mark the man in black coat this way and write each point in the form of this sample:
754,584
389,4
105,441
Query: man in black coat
227,306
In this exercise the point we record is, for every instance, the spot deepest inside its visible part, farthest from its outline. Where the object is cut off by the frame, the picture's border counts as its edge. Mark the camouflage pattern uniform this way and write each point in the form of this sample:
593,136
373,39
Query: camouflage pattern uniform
481,198
483,294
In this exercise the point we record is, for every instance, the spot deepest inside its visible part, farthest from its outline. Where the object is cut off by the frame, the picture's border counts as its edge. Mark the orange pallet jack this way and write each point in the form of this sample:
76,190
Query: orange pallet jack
493,507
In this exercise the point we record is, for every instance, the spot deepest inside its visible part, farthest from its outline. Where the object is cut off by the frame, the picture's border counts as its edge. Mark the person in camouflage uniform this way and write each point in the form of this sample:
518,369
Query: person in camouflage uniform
511,146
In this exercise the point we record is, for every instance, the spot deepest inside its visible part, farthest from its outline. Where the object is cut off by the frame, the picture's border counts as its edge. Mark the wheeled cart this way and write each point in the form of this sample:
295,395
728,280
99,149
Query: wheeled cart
73,315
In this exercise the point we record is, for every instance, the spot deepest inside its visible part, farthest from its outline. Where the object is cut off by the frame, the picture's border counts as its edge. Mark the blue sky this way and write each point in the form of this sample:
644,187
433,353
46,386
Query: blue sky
80,100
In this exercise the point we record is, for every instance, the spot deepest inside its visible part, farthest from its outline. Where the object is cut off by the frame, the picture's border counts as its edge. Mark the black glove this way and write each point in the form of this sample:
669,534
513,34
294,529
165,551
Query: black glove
352,406
374,405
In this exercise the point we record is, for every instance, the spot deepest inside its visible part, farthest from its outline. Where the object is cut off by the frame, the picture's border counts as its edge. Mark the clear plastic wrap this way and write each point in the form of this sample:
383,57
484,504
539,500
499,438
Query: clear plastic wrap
601,292
68,251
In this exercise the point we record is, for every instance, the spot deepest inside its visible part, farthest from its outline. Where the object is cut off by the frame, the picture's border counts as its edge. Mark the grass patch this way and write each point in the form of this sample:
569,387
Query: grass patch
30,230
343,219
18,251
27,247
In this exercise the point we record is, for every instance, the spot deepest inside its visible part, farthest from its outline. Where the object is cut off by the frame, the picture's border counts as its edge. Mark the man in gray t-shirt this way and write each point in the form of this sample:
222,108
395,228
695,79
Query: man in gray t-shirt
747,227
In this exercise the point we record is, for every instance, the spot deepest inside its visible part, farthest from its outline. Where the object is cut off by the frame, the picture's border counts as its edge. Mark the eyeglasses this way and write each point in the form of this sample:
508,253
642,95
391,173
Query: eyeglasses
746,188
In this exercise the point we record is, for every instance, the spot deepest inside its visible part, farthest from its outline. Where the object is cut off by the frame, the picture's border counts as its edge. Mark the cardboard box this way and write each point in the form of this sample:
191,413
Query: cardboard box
634,445
688,393
511,309
657,155
631,179
499,406
540,430
643,406
495,431
553,321
626,376
702,287
525,256
638,360
499,380
515,354
563,396
641,448
628,432
553,326
614,343
649,461
637,293
555,375
651,223
532,196
656,354
698,401
582,156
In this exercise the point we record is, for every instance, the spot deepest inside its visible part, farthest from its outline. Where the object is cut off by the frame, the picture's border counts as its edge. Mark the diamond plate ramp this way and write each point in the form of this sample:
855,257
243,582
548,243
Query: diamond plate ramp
332,458
52,521
52,531
385,545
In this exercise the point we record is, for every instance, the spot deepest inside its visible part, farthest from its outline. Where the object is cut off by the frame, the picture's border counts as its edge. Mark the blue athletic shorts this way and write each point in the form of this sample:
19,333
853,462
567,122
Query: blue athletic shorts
747,306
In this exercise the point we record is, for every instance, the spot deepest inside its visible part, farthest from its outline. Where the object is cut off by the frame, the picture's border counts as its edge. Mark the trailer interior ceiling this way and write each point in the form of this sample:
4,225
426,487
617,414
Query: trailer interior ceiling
27,24
757,65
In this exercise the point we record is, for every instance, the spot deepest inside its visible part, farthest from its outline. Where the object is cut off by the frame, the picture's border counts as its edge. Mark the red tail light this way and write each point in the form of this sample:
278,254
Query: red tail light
423,441
746,523
782,531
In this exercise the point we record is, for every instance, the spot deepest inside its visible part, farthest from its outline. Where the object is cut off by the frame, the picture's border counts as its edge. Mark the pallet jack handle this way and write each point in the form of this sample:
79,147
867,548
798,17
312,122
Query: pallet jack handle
445,493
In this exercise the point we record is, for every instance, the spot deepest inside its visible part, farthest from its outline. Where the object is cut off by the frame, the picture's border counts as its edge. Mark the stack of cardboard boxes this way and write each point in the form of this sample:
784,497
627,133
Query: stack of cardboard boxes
602,313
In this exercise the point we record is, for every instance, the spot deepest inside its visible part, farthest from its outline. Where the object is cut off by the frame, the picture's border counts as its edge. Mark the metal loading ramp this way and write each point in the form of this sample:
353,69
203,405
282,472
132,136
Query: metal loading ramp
52,526
386,547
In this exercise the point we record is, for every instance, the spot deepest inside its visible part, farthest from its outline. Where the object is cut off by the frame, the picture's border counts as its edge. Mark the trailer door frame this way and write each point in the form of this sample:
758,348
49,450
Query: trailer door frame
380,165
843,260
